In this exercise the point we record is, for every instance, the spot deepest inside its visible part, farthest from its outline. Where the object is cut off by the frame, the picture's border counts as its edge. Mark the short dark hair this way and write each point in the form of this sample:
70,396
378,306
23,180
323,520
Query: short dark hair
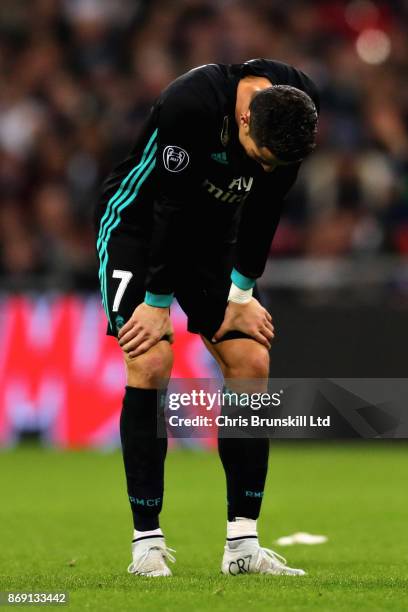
284,120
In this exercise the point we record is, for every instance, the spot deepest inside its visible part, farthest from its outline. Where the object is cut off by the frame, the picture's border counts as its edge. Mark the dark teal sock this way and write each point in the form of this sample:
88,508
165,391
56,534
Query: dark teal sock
245,462
143,455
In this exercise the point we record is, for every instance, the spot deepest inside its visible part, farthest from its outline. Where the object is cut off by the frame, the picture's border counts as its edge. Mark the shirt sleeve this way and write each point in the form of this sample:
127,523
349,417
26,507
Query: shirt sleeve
258,223
181,139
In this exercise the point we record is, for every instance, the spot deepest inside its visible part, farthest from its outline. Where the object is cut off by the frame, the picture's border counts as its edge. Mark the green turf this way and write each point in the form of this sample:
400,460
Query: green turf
65,526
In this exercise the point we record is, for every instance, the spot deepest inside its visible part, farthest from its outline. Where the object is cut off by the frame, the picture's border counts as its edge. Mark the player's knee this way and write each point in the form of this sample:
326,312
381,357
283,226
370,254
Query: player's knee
150,369
254,364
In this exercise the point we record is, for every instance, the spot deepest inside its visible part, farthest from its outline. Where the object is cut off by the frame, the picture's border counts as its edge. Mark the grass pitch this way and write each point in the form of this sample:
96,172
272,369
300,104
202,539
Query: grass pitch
65,526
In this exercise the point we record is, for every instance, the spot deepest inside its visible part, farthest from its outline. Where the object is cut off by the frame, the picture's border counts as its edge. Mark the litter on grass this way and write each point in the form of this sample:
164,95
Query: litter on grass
301,537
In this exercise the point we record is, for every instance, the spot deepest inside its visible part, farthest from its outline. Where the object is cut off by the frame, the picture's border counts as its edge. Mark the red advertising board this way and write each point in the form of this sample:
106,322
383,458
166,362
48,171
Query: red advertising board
62,377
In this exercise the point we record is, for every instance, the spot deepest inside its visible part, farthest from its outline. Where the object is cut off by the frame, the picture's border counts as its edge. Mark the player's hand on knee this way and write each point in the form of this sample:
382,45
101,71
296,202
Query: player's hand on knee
251,318
145,328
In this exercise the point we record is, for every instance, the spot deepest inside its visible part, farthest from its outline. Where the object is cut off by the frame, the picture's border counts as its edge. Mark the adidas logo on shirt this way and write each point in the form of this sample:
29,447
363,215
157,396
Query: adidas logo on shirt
220,157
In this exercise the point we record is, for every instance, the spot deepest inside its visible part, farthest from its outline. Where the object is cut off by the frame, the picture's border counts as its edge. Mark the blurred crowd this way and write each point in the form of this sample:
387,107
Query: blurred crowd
78,77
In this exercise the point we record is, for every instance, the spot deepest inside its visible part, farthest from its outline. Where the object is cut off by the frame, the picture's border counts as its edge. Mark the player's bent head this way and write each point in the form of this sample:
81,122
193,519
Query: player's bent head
283,120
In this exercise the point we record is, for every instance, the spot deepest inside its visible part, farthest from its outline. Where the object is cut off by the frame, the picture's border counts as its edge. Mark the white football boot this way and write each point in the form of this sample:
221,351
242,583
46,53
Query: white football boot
149,557
246,556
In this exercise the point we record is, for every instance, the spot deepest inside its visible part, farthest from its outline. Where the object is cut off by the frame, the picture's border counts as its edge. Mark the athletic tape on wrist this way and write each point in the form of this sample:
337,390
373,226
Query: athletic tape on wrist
239,296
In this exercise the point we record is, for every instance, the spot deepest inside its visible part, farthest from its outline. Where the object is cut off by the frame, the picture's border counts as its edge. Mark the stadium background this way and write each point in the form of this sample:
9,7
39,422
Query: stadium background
77,77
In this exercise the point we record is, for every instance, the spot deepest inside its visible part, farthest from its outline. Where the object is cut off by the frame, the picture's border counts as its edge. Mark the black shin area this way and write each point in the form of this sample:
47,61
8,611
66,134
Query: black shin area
143,455
245,462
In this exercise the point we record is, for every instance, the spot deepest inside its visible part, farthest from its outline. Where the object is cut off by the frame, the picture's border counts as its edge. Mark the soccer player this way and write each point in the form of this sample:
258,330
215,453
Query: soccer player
191,214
